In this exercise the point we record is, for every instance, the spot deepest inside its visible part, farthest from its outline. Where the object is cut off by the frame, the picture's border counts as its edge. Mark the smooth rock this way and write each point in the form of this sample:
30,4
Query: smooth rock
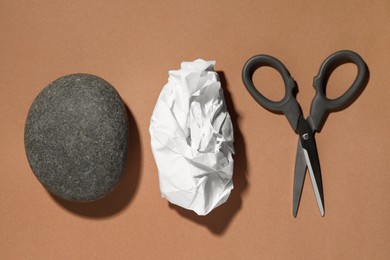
76,137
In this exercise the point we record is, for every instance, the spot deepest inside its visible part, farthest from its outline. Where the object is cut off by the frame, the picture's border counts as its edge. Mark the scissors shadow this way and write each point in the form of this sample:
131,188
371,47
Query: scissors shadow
219,219
123,193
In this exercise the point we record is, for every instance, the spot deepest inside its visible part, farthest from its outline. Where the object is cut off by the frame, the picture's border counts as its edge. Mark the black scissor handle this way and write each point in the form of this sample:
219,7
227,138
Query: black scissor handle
321,105
288,105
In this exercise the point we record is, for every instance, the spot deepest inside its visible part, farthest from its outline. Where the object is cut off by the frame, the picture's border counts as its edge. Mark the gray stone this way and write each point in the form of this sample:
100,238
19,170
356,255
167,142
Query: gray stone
76,137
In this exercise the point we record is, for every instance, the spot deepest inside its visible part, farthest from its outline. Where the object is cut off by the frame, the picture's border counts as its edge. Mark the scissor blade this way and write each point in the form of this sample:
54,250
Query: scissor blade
299,177
313,164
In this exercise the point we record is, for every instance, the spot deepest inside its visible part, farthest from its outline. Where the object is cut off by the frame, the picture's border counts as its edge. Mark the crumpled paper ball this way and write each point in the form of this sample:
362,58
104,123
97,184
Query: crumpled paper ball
192,139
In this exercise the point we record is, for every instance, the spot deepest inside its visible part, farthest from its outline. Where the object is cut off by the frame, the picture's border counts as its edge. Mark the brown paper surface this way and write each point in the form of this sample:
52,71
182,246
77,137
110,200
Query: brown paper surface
132,45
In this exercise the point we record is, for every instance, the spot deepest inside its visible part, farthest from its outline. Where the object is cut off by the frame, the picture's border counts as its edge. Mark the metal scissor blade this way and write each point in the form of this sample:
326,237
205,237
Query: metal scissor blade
299,177
312,161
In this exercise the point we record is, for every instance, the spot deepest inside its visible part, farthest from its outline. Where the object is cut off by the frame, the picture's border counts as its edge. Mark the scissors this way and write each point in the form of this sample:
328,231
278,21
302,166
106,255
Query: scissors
321,106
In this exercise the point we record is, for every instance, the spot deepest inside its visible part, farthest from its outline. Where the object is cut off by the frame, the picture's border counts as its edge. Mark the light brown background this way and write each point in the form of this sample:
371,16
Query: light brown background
132,44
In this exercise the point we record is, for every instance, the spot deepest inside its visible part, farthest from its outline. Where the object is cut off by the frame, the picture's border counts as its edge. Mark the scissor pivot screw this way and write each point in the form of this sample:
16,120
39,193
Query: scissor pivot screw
305,136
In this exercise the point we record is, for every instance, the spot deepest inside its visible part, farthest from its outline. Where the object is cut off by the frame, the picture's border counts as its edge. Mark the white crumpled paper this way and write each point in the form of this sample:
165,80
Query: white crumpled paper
192,138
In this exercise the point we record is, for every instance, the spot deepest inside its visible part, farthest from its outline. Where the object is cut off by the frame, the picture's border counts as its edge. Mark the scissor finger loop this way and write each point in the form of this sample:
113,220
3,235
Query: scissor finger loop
330,64
288,105
322,105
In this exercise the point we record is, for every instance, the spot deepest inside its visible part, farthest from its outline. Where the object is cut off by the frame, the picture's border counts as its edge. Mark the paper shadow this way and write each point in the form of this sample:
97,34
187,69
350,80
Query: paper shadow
219,219
123,193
